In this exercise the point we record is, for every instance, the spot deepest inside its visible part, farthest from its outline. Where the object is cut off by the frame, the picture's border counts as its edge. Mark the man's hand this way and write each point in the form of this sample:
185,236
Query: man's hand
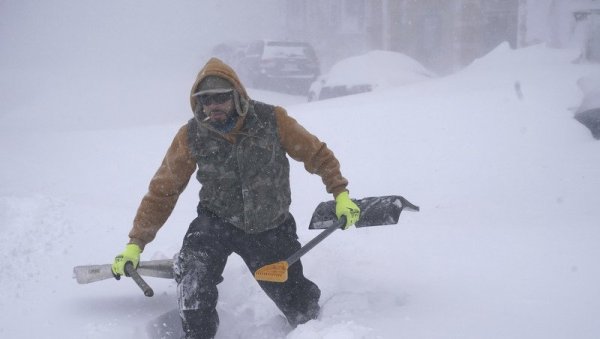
346,207
131,254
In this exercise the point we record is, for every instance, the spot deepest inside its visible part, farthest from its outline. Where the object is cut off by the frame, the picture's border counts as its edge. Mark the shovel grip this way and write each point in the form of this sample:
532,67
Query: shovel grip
131,272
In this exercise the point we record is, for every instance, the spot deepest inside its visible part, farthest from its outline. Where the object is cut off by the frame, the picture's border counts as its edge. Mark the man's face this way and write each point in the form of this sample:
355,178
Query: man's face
218,107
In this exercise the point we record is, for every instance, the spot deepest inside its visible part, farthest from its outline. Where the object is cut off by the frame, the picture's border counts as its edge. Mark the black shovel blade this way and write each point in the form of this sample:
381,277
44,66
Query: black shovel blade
374,211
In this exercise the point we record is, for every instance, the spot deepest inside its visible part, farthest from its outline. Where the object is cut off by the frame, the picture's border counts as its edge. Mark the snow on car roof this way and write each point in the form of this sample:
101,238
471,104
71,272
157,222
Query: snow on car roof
380,68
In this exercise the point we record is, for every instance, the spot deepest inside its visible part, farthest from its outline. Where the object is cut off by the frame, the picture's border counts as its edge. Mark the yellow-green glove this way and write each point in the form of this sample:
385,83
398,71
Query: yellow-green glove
346,207
132,254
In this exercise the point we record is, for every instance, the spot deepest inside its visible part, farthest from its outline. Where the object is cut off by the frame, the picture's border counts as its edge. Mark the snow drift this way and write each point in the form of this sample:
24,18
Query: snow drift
505,245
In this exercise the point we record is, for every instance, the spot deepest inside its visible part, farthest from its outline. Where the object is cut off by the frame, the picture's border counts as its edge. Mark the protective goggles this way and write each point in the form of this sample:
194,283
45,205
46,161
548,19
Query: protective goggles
214,98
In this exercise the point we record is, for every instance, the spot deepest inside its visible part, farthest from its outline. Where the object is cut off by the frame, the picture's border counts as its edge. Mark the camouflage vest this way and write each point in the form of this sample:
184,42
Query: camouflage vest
247,183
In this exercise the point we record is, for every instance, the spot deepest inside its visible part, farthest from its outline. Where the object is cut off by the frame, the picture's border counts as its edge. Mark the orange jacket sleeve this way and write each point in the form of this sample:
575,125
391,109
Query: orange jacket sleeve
302,146
165,187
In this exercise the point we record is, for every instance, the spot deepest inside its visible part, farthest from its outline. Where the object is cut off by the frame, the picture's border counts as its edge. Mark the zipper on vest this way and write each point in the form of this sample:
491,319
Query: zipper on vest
245,190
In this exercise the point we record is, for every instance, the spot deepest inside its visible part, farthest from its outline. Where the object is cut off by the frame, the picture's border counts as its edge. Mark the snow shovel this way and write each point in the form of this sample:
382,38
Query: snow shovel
155,268
375,211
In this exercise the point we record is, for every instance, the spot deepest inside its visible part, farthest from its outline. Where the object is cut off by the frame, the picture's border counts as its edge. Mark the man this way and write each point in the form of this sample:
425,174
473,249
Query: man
239,147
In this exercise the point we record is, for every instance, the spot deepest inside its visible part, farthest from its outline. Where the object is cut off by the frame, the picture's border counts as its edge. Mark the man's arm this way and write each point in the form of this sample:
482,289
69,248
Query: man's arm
165,187
302,146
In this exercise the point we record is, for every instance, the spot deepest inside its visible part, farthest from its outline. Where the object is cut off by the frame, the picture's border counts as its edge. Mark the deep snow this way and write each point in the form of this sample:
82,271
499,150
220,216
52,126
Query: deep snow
505,245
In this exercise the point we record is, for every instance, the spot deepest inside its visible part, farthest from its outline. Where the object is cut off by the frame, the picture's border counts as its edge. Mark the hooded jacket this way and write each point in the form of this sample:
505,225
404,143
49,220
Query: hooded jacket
179,163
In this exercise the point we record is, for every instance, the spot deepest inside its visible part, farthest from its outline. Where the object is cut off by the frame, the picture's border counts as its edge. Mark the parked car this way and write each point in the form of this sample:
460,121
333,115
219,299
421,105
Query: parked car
279,65
230,52
368,72
588,112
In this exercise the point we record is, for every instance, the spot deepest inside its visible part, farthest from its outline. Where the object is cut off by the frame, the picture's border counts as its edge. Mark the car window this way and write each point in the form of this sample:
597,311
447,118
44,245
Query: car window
287,50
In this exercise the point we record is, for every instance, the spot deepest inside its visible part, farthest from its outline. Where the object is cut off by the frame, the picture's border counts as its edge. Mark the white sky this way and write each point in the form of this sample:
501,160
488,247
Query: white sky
78,33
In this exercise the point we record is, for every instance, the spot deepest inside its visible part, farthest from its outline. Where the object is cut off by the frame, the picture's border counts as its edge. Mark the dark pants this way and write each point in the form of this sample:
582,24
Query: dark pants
201,261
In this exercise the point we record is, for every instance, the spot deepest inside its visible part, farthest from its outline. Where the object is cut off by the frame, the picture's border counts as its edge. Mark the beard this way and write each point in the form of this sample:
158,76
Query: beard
219,116
222,120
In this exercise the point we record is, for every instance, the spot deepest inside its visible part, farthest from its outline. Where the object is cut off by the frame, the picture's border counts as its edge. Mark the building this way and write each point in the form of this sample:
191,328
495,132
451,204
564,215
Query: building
443,35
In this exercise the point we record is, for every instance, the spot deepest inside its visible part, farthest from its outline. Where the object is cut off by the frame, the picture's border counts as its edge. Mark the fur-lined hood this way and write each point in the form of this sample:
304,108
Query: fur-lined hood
216,67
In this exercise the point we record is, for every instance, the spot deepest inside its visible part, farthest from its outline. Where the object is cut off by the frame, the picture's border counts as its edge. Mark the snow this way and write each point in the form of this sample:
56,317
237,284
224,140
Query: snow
590,87
505,245
384,69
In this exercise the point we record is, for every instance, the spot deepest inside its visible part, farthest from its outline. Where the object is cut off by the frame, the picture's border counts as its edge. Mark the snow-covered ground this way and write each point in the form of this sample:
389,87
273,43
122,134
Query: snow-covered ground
506,244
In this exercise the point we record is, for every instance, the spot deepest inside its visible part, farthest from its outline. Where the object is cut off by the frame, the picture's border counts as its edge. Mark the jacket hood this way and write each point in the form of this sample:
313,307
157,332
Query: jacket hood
216,67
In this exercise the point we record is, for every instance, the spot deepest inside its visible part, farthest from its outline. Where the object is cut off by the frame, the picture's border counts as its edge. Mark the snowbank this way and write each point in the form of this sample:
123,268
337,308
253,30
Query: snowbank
505,245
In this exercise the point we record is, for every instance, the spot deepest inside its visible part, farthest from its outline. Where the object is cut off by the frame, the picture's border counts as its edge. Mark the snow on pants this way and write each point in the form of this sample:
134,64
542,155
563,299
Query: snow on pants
201,261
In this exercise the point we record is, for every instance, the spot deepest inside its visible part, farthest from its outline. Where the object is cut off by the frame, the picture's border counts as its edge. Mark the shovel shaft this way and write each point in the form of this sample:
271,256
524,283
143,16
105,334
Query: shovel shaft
309,245
130,271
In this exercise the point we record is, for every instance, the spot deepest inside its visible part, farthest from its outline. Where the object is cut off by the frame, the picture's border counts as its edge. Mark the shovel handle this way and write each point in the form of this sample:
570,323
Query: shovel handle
131,272
309,245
